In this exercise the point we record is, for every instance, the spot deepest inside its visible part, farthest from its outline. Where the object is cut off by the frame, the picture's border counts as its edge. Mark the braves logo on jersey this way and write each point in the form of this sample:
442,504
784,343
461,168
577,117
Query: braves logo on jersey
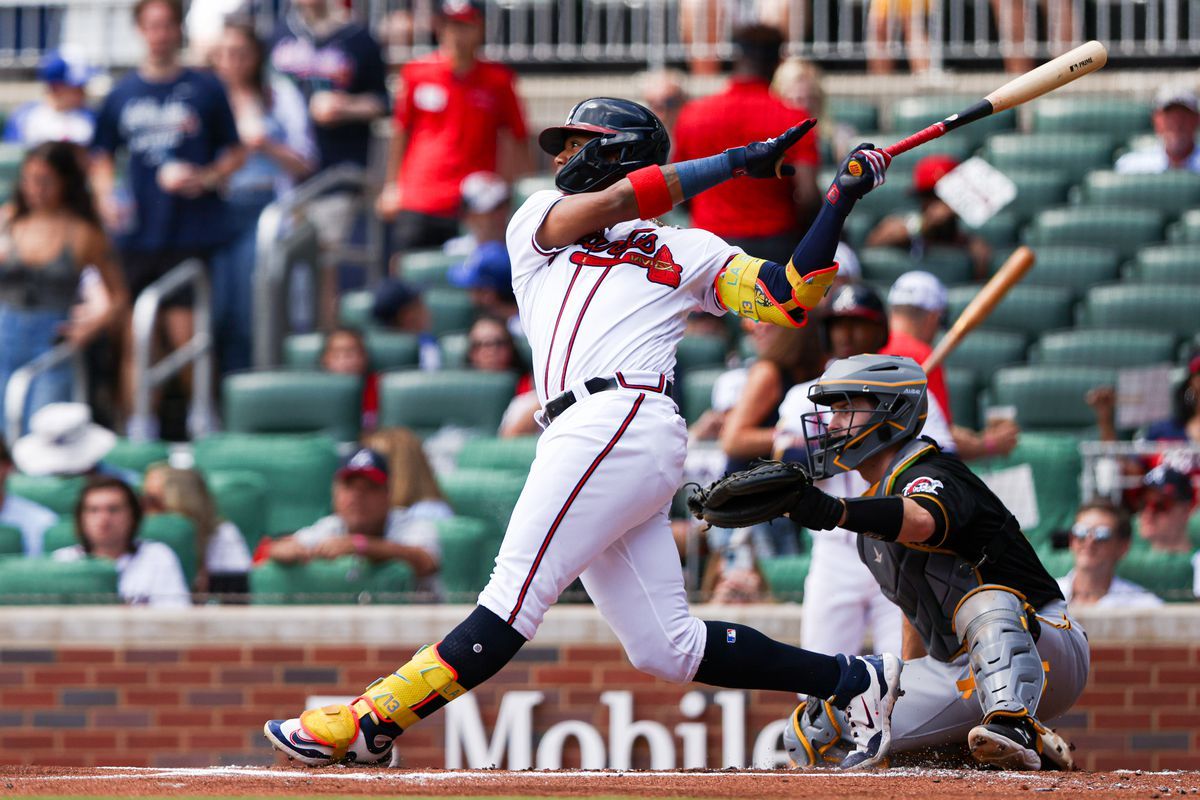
640,248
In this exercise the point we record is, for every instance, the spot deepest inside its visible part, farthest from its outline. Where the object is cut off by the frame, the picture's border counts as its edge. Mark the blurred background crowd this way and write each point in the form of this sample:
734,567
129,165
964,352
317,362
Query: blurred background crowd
258,337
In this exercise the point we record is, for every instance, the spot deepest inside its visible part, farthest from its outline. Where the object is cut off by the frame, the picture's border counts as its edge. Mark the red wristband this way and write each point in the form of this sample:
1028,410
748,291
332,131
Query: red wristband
651,192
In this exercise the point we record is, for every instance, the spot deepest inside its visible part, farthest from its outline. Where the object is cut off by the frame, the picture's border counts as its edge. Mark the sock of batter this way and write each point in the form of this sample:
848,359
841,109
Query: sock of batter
739,657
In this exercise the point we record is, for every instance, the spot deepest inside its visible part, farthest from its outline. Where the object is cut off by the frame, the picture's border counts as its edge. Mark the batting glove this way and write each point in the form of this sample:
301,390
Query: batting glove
863,170
765,159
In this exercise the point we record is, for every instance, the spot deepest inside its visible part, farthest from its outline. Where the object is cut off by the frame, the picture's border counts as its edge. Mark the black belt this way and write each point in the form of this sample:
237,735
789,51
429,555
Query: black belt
567,399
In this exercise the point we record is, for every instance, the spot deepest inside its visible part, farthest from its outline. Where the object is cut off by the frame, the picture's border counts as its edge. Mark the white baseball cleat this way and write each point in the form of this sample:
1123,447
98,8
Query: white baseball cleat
869,714
364,743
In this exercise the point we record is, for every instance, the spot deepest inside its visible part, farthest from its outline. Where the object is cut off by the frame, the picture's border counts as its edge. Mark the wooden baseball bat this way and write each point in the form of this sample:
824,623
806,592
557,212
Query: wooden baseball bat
1014,268
1057,72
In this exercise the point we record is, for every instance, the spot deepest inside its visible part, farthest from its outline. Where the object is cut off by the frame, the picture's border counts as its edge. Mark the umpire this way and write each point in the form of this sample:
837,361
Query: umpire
1003,655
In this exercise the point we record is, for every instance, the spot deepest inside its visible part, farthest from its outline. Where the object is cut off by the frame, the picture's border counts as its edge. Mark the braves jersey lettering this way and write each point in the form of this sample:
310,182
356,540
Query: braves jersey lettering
637,249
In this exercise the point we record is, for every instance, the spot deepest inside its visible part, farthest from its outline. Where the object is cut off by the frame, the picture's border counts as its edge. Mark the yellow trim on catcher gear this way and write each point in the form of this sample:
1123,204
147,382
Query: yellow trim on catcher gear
396,697
741,291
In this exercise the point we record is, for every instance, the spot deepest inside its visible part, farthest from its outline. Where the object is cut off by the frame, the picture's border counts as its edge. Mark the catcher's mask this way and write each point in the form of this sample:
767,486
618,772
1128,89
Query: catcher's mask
629,137
896,387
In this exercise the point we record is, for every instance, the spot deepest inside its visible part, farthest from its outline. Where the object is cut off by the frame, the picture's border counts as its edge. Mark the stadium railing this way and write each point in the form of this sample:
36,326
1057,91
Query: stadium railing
1102,475
17,390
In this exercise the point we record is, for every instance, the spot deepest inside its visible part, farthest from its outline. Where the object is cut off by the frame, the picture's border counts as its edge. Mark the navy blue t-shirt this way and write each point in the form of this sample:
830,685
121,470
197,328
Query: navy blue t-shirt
186,119
348,60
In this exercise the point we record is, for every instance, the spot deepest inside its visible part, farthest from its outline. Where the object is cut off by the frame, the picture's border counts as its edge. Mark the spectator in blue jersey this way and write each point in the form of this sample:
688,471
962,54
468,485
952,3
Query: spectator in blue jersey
176,128
62,115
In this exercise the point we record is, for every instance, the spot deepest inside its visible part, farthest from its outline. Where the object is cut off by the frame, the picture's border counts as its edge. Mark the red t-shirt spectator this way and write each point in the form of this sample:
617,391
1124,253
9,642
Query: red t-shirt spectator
744,112
452,122
901,344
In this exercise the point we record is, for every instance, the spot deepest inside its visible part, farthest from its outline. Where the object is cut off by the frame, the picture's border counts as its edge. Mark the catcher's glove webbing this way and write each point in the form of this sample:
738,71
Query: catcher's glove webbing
759,494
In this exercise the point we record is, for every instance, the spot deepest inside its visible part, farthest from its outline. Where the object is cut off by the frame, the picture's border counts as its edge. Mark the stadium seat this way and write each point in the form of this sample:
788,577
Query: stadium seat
11,541
1168,575
858,225
1037,190
354,310
1104,347
341,581
1055,463
483,494
175,531
137,456
1169,192
911,114
1049,396
1072,156
453,347
893,197
424,402
1026,309
985,351
963,387
884,265
465,563
509,455
43,581
451,310
1074,267
59,535
1070,117
524,187
1124,230
6,190
1000,231
1057,562
291,401
57,494
855,113
785,576
11,156
387,350
428,268
1157,306
1187,229
699,352
244,498
695,392
297,469
1170,263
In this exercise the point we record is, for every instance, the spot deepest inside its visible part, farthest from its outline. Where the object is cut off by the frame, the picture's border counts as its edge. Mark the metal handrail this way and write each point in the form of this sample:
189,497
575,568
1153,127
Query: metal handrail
1108,481
20,382
271,267
196,352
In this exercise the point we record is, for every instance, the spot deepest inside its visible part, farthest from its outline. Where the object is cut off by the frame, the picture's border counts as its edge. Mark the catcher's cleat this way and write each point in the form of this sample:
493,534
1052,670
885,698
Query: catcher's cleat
333,734
869,714
1019,744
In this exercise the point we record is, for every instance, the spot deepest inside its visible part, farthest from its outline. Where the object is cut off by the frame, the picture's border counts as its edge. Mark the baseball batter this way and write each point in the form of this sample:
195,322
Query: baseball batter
603,291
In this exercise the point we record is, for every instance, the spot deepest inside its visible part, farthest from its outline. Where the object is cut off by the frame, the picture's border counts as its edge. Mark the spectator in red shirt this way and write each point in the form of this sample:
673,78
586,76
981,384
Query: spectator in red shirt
763,217
455,115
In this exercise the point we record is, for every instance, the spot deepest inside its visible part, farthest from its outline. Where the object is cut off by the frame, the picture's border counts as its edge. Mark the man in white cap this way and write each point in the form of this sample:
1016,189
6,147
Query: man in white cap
1176,121
63,441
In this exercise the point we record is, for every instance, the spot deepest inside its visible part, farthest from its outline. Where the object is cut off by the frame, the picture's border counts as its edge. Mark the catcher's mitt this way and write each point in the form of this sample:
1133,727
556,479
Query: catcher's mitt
761,493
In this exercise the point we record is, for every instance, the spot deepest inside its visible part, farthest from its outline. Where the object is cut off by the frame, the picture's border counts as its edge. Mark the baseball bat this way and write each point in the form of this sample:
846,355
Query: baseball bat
1014,268
1057,72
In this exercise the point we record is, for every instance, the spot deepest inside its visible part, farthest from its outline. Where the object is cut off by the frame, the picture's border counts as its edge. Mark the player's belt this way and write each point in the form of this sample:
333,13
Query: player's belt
593,385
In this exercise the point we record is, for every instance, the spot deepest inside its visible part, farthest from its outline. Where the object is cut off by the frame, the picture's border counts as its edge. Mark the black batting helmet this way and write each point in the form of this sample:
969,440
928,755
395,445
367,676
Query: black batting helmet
630,137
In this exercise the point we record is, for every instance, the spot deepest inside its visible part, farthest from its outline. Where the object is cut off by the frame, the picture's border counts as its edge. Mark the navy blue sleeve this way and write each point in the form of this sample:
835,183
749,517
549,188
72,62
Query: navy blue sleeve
371,76
815,250
107,135
224,128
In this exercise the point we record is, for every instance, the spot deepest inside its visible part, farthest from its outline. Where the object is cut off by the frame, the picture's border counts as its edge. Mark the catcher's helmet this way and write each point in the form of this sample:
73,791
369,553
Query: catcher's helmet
897,388
631,137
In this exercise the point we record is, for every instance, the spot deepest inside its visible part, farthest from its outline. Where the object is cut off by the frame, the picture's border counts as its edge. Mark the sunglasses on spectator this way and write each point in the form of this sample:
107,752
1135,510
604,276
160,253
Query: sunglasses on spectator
1100,533
476,343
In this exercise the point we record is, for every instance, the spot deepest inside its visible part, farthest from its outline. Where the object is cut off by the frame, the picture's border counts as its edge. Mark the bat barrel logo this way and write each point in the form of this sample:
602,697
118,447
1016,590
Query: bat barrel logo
1081,64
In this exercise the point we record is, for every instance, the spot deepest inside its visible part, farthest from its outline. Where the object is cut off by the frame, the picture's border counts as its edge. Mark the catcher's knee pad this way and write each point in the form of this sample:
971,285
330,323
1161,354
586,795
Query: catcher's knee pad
397,697
1008,672
813,736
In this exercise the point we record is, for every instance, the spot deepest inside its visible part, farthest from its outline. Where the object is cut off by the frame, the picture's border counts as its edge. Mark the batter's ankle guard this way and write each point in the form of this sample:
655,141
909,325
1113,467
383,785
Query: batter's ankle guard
1009,675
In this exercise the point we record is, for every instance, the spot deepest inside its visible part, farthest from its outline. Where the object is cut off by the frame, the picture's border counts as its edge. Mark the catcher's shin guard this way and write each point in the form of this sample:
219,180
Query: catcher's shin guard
1009,675
813,736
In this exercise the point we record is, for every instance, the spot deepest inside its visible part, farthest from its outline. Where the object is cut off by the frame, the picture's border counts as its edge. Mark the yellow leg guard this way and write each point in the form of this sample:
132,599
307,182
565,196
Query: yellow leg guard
332,726
398,696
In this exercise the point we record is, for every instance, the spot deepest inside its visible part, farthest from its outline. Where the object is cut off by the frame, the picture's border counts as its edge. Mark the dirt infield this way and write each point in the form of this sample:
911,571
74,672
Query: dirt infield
897,783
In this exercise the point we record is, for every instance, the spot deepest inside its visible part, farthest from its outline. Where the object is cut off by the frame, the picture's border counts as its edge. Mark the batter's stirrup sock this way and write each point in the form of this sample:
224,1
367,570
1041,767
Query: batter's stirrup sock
853,680
480,647
739,657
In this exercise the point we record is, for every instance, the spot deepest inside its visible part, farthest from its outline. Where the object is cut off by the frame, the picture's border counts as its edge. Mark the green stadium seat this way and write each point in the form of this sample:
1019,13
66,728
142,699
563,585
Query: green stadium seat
387,350
1168,575
173,530
1000,231
341,581
43,581
488,495
11,156
428,268
57,494
453,347
1170,263
1074,267
1072,156
524,187
509,455
1104,347
985,351
59,535
244,498
11,541
911,114
858,114
1037,190
884,265
1072,116
465,566
785,576
1057,562
451,310
6,190
1124,230
291,401
677,217
858,225
297,469
963,387
1187,229
425,401
700,352
137,456
892,198
1055,463
1156,306
1169,192
354,310
1049,396
1026,309
695,392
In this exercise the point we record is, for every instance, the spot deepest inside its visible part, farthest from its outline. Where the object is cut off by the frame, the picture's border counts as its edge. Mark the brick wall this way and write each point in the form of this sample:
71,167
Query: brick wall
131,702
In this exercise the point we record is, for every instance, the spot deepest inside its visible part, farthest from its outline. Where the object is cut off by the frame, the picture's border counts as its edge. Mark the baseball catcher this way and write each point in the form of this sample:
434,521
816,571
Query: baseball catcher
1003,655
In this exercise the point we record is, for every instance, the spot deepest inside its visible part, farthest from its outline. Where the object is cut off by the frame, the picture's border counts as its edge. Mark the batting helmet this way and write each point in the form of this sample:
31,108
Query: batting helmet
630,137
897,388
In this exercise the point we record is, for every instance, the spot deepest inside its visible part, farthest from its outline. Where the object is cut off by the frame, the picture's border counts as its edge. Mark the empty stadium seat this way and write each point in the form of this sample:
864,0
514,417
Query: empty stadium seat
292,401
1104,347
1124,230
1169,263
963,388
453,347
1169,192
59,535
699,352
1049,396
488,495
423,402
785,576
883,265
43,581
524,187
1026,308
11,541
1037,190
1057,562
428,268
1071,156
1000,230
354,310
297,469
858,114
136,456
510,455
450,309
244,498
695,393
911,114
1187,229
387,350
1074,267
341,581
1055,463
1072,116
465,564
985,351
57,494
1168,575
1157,306
11,155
